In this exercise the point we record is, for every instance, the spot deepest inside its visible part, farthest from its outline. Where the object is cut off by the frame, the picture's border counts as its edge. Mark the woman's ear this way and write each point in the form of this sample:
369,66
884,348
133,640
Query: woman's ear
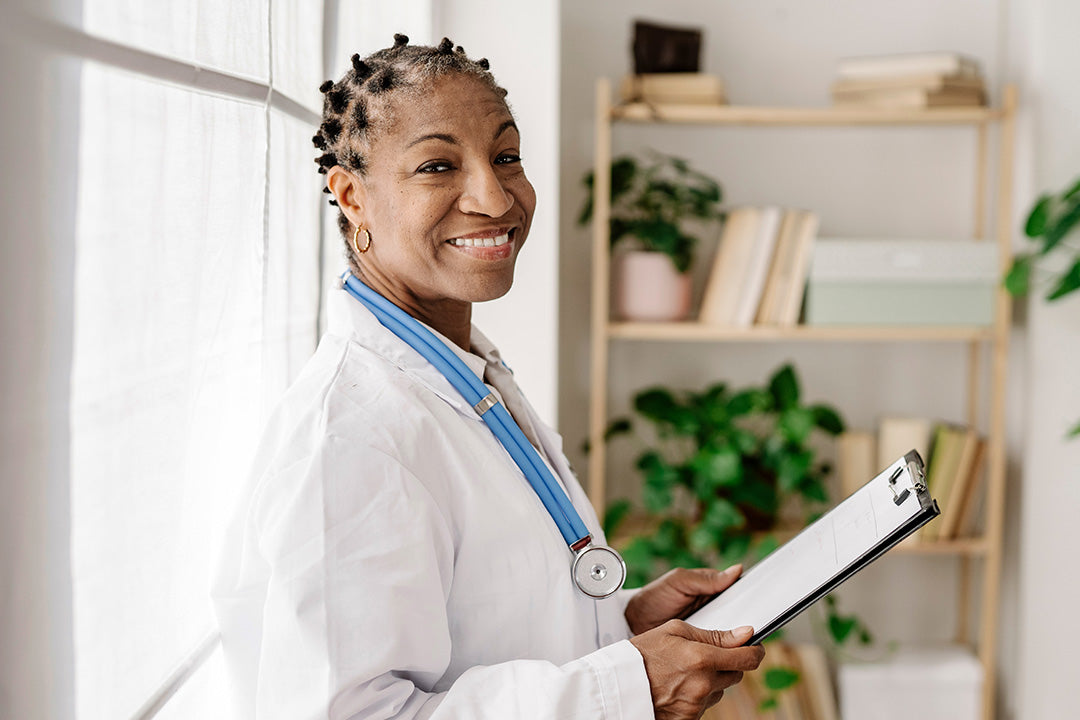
349,192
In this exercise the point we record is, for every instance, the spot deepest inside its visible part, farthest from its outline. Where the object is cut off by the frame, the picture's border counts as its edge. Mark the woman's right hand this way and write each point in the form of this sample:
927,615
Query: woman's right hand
689,668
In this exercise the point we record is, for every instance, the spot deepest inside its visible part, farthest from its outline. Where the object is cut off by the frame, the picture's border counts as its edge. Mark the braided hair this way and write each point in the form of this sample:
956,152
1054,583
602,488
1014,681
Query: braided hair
357,108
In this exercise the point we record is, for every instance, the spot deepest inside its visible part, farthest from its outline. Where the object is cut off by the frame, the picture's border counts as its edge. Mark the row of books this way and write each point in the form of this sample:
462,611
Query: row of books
810,698
673,89
905,80
758,275
910,80
954,456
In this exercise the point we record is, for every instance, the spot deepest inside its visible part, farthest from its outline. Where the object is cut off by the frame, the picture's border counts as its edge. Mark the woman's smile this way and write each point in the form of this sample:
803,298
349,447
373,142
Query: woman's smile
486,244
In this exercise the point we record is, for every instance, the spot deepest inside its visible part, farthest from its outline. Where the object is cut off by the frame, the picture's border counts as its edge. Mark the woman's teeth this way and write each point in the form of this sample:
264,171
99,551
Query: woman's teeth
482,242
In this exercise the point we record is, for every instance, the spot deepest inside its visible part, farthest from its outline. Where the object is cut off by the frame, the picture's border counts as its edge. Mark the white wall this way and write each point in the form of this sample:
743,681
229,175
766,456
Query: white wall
874,182
1048,629
522,42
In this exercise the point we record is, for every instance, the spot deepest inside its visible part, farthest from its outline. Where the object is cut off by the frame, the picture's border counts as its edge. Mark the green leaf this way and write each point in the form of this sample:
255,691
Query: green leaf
1074,431
1061,227
1036,220
621,426
1072,192
796,423
722,515
638,553
614,516
747,401
755,493
702,539
770,703
814,490
734,549
827,419
715,468
1018,279
780,678
623,171
656,499
659,479
765,547
792,470
784,387
840,628
1068,282
660,406
744,441
865,638
669,539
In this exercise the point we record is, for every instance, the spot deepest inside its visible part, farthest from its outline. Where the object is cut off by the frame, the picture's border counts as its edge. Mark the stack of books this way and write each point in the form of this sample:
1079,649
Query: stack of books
760,269
915,80
673,89
954,457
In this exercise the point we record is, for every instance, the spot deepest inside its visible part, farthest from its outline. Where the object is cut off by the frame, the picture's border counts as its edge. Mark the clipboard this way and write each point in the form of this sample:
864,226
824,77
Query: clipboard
823,555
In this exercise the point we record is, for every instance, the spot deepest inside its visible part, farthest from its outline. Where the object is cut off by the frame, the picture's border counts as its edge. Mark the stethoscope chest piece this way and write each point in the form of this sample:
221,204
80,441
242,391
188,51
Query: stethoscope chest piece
598,571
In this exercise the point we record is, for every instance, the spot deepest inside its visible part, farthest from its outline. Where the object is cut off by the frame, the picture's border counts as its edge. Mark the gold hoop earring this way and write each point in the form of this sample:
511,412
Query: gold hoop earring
356,243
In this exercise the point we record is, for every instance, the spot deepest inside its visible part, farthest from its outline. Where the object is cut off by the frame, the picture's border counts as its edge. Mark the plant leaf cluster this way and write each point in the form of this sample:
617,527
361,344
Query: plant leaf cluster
1052,222
738,454
651,199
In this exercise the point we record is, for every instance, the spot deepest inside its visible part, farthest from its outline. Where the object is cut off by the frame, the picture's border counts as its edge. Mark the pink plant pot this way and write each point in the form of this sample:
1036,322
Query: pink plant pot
649,288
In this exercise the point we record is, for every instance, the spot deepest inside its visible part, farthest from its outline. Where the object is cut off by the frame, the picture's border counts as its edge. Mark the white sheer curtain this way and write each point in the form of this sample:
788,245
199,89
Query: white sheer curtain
196,295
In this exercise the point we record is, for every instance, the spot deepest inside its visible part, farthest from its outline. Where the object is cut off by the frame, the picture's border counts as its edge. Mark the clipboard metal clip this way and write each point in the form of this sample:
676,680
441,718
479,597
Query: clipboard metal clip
898,497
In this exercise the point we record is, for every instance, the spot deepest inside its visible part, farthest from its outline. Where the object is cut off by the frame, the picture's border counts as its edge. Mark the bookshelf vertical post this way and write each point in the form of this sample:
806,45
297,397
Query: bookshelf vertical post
601,280
995,510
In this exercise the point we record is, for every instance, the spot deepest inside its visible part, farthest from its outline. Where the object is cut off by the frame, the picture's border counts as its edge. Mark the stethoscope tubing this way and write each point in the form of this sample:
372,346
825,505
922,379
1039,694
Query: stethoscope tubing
473,390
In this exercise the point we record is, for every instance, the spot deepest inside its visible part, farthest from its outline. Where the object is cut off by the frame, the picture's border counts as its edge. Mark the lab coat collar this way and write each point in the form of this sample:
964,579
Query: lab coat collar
350,319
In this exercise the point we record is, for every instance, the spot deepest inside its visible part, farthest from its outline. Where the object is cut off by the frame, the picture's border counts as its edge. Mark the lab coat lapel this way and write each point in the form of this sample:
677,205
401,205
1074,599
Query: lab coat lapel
349,318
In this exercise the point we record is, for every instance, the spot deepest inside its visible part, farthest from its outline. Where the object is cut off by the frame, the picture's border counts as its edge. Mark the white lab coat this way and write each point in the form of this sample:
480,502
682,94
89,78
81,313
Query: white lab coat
388,558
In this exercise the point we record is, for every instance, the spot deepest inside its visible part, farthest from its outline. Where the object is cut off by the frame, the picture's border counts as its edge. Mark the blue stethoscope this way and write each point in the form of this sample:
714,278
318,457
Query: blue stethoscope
597,570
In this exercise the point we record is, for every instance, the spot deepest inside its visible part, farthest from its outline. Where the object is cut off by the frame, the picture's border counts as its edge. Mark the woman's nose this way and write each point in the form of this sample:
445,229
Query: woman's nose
484,193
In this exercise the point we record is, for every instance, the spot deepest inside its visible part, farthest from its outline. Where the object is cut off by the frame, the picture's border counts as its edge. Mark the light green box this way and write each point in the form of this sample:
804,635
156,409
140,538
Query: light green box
899,303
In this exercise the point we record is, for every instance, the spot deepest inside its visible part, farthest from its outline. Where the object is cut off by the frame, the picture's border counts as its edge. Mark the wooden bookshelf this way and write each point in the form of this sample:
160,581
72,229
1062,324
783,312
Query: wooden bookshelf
698,332
799,116
985,409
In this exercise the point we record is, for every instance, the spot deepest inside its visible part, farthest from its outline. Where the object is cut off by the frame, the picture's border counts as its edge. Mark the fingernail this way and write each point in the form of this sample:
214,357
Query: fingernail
737,567
743,630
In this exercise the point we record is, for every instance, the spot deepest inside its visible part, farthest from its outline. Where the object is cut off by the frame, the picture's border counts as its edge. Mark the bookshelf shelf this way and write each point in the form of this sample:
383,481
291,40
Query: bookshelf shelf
985,380
699,332
839,115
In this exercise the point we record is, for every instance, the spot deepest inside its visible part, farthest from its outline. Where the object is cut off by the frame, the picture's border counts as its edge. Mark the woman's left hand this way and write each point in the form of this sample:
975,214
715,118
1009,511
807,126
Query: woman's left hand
676,594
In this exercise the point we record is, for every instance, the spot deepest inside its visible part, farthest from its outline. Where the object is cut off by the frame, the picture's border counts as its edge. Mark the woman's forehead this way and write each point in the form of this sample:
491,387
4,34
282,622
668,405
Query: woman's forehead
453,104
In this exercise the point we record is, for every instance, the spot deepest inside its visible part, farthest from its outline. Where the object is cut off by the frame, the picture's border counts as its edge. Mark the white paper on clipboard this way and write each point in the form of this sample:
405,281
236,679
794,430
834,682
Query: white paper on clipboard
843,541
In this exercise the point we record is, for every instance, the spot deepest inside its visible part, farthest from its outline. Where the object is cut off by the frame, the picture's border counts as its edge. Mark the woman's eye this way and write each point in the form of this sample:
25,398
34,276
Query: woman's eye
507,159
435,166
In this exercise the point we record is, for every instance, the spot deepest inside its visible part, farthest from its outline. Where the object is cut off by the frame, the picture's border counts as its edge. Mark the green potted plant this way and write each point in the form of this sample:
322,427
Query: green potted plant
651,201
724,473
727,468
1051,222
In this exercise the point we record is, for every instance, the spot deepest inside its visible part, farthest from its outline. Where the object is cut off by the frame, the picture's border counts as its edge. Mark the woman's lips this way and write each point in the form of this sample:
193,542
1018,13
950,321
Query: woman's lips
493,245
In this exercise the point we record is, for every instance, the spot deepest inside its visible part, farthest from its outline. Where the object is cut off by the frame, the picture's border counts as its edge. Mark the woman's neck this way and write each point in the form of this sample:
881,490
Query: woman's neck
451,318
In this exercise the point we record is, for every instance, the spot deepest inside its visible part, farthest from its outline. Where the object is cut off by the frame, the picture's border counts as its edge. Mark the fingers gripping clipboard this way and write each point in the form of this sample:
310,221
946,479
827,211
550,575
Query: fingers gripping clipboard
815,562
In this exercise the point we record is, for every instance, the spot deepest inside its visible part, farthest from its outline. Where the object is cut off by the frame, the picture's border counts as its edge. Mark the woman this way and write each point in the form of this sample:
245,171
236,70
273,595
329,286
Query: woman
390,559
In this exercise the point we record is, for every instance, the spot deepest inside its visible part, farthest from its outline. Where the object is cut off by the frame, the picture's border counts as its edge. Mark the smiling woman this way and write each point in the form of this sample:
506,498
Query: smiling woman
444,201
412,541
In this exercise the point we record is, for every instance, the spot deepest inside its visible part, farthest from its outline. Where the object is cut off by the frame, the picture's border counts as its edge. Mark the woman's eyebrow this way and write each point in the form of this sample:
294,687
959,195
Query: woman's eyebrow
434,136
504,127
446,138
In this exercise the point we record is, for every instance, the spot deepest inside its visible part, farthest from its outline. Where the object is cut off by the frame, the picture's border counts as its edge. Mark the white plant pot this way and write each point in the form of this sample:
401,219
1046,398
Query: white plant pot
649,288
